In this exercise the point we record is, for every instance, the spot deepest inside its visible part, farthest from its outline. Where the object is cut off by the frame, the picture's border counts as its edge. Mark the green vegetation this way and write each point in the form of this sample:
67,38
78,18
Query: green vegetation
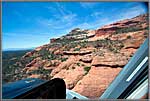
78,64
76,33
54,45
99,52
41,71
129,37
11,63
63,59
26,60
87,69
45,74
77,49
65,40
70,45
83,44
112,45
46,54
129,29
71,38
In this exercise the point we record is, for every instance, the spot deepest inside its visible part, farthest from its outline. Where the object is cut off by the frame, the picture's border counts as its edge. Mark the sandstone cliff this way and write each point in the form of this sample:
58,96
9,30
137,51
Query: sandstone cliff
88,60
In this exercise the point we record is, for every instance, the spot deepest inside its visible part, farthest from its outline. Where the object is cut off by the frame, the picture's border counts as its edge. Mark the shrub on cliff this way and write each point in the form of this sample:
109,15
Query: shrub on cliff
128,29
87,69
77,49
41,70
63,59
129,37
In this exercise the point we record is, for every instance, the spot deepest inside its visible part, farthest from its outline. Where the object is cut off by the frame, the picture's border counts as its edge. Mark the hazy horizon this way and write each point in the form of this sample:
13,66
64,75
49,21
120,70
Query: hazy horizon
18,49
32,24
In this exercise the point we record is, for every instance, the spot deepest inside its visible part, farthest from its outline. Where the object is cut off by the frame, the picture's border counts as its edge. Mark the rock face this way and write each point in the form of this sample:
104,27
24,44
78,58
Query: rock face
36,66
128,52
96,81
48,65
139,21
38,48
71,77
138,35
64,65
87,60
106,31
110,59
28,54
134,43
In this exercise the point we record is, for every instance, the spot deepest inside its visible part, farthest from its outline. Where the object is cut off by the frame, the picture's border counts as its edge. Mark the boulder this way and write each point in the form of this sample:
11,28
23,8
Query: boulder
86,59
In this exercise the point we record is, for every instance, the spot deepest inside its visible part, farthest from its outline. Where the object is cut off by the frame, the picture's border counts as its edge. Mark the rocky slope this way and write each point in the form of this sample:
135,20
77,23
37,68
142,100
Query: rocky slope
88,60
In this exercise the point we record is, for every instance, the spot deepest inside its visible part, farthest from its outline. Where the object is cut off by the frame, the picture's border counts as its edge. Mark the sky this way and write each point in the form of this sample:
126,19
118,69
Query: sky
32,24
